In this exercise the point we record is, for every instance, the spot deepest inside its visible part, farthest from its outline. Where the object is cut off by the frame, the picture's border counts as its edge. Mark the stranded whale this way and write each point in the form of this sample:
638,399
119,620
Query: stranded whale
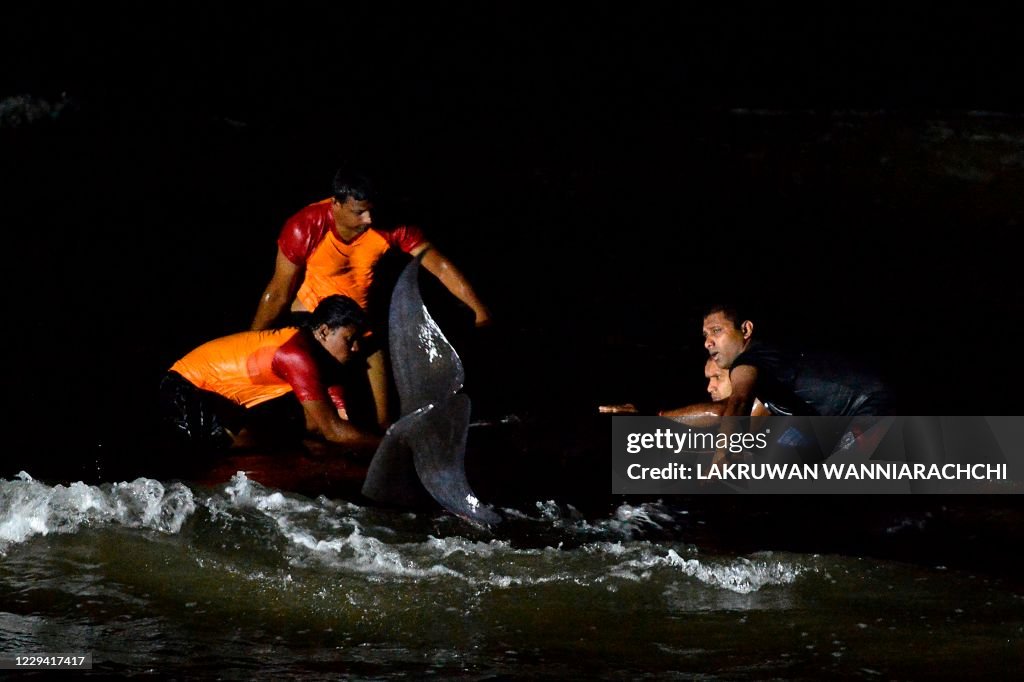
426,447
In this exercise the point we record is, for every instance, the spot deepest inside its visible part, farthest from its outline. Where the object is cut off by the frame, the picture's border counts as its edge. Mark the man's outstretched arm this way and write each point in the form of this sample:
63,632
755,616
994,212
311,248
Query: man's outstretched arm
453,280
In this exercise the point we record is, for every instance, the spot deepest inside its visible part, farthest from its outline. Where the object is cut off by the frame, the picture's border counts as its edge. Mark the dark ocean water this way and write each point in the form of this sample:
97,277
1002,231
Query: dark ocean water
238,580
879,233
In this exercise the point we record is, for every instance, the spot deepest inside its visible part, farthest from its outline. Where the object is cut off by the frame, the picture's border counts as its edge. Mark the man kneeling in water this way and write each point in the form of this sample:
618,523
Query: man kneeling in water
215,391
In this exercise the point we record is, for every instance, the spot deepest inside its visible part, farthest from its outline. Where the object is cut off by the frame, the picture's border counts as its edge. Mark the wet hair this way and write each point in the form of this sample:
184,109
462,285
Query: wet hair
335,311
355,185
710,361
733,312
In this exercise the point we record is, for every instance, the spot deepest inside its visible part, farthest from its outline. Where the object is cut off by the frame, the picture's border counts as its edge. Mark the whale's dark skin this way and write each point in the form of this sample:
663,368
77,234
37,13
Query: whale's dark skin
426,447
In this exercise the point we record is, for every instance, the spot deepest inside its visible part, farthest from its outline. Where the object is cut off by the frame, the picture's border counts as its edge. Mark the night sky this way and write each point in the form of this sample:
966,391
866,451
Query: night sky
600,173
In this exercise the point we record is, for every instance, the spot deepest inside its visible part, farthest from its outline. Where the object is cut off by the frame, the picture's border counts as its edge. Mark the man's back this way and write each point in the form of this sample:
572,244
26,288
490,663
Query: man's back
814,382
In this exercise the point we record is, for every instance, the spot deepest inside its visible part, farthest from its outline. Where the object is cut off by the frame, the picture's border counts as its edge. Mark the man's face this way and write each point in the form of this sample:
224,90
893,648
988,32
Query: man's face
723,341
719,386
342,342
352,217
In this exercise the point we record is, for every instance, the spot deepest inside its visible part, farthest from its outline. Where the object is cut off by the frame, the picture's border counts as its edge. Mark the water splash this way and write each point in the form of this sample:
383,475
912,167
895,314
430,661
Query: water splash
589,554
29,507
387,547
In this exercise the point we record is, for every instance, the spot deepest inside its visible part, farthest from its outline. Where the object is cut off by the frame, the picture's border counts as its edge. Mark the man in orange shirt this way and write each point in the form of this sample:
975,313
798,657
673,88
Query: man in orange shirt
333,247
208,396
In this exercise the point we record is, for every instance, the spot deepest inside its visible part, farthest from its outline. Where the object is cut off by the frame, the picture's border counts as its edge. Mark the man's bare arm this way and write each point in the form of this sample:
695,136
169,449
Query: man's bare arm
741,401
698,415
322,419
279,292
453,280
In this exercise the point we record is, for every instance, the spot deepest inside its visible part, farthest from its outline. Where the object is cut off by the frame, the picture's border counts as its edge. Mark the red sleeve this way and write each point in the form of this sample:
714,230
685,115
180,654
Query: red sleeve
404,237
294,363
338,396
304,230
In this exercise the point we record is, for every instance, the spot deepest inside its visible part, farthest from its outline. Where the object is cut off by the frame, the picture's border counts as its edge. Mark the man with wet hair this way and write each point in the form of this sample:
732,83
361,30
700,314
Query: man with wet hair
719,388
334,247
787,382
211,394
791,383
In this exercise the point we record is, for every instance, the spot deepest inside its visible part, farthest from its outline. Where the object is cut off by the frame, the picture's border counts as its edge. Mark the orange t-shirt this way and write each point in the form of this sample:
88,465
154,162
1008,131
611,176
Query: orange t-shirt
253,367
332,265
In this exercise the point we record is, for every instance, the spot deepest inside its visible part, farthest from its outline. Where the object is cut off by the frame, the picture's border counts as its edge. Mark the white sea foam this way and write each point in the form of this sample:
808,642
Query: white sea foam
627,522
474,562
353,540
29,507
640,561
740,575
